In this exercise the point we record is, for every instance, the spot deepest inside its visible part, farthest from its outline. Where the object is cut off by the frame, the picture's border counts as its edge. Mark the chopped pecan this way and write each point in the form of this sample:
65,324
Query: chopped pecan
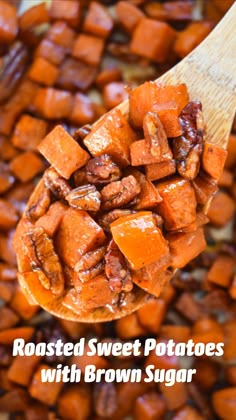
156,136
108,218
39,202
120,193
43,258
85,197
80,177
14,65
188,148
105,399
90,264
56,183
102,170
116,269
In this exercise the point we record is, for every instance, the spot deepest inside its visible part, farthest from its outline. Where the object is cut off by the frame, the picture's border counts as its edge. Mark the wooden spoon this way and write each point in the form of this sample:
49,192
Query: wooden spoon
210,75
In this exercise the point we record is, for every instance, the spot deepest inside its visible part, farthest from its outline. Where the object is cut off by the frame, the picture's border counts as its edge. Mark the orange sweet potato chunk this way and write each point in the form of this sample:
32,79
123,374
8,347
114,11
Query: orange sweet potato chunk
224,403
63,152
28,132
53,104
141,155
60,10
150,96
43,72
34,16
139,239
75,399
154,276
112,135
168,113
152,39
193,244
190,37
51,220
152,323
221,271
88,48
78,233
148,196
114,93
149,406
213,159
61,34
155,171
8,336
8,22
98,21
26,165
46,392
221,209
82,111
50,51
22,369
177,195
128,15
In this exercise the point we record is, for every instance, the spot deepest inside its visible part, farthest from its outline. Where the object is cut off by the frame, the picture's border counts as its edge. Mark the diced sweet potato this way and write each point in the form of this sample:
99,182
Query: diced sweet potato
8,318
33,16
51,220
155,171
187,412
149,95
170,10
53,103
176,395
112,135
14,401
6,291
7,151
22,306
28,132
128,15
226,179
193,243
224,403
153,277
78,233
50,51
61,34
129,327
178,333
26,165
231,148
108,76
177,195
63,152
221,209
82,361
190,37
8,22
88,48
69,13
213,159
148,196
149,406
152,39
221,271
141,155
162,362
8,336
82,112
204,187
168,113
33,289
139,239
151,315
98,21
22,369
46,392
43,72
75,399
114,93
229,340
8,215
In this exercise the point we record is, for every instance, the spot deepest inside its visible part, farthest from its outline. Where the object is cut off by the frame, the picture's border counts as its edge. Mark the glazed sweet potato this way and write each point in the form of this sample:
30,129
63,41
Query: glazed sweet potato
193,243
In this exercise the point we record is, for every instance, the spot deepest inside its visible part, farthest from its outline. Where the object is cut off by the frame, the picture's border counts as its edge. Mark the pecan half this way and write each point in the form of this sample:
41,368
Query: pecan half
102,170
56,183
156,136
39,202
85,197
82,132
90,264
43,258
105,399
108,218
14,66
187,149
119,193
117,270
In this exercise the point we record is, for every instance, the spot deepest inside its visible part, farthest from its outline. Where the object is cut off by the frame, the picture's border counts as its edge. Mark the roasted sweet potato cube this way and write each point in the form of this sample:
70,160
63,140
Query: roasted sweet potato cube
141,154
8,336
149,406
178,207
193,244
112,135
8,318
190,37
129,327
221,209
63,152
204,187
152,39
51,220
153,277
8,22
223,401
33,16
148,196
78,233
169,115
151,315
21,305
46,392
8,215
176,395
108,75
28,133
50,51
156,171
82,111
75,399
139,239
114,93
22,369
53,103
128,15
43,72
61,34
76,75
68,12
98,21
82,361
26,165
231,157
221,271
179,333
213,159
88,48
150,95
